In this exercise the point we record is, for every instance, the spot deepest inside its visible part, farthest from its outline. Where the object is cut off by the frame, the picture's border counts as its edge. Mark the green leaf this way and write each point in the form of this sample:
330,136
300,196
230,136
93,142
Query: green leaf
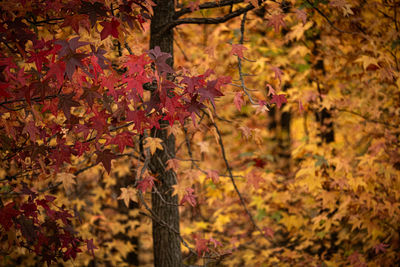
276,216
261,213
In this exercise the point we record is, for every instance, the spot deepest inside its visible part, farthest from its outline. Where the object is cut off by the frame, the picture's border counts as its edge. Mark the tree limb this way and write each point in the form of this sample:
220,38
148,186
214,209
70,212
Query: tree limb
206,5
216,20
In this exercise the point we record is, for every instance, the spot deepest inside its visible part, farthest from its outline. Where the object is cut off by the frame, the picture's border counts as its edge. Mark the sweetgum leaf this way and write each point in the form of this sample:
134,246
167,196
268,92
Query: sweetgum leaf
105,158
66,103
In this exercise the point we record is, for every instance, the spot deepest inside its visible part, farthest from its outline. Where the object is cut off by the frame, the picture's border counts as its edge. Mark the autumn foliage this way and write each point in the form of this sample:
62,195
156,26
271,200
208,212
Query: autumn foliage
285,116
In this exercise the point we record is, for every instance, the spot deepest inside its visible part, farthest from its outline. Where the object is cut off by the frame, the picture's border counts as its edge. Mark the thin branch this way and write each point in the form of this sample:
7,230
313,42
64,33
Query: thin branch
327,19
228,167
366,118
207,5
217,20
242,24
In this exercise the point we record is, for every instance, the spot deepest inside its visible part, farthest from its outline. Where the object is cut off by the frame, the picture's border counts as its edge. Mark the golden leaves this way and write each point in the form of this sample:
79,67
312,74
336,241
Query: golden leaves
128,194
67,180
153,143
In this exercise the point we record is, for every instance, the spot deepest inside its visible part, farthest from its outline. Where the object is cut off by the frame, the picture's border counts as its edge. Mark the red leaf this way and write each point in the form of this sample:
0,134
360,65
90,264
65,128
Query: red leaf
75,21
110,28
146,183
237,50
123,140
90,246
210,92
381,247
189,197
3,90
214,175
57,69
301,15
238,100
201,246
268,232
160,60
90,94
7,214
66,103
105,158
32,130
276,21
279,100
215,242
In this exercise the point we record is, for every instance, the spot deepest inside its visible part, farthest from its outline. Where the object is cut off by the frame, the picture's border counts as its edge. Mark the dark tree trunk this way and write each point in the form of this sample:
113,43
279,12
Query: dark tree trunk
167,247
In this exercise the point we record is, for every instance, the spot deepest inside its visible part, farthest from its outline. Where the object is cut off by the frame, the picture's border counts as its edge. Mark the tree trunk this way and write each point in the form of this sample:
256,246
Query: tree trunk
166,243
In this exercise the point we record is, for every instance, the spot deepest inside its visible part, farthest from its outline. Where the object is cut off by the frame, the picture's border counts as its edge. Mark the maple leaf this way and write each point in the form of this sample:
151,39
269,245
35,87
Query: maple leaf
32,130
215,242
69,47
238,100
3,90
67,180
278,73
276,21
189,197
110,28
153,143
7,214
381,247
194,5
75,21
66,103
254,178
94,10
268,232
71,57
127,194
39,58
160,60
172,164
58,70
210,92
271,90
278,100
201,246
237,50
214,175
90,246
122,140
301,15
105,158
90,94
146,183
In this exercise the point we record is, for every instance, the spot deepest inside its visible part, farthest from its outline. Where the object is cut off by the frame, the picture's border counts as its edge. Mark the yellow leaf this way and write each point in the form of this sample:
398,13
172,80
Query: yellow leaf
67,180
128,194
367,60
153,143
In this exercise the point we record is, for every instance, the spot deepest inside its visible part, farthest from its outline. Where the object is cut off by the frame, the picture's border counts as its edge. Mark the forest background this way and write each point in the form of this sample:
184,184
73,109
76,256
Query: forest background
273,140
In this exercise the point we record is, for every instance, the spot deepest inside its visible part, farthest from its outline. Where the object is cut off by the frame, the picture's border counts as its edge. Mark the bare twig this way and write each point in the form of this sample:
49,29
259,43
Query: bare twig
327,19
243,202
242,24
366,118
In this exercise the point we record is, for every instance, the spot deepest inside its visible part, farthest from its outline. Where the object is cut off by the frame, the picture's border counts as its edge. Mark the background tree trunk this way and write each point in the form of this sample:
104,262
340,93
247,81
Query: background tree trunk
166,243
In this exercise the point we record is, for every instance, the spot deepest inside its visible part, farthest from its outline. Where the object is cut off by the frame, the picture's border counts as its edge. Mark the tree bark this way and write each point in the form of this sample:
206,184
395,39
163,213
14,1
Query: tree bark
166,243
